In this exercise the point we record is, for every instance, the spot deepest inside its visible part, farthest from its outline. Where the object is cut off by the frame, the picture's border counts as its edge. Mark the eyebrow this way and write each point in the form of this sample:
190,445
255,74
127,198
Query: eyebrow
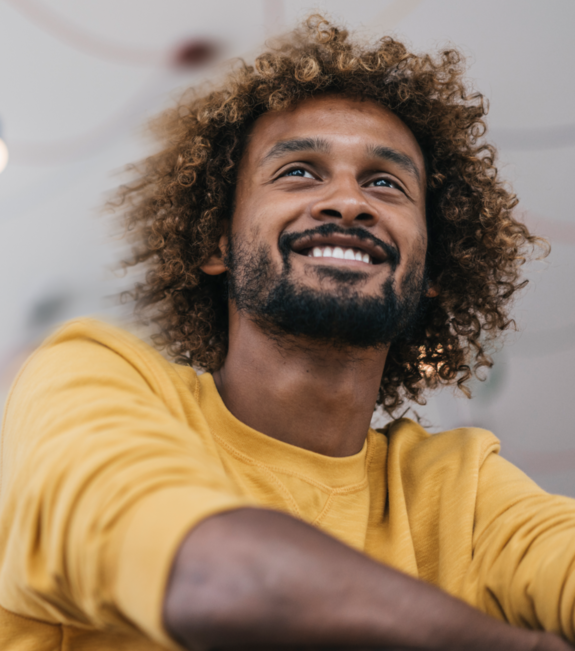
397,157
322,146
297,144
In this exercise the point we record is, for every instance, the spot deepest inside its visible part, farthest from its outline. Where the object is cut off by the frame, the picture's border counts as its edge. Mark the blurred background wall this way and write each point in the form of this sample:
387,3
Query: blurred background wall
78,79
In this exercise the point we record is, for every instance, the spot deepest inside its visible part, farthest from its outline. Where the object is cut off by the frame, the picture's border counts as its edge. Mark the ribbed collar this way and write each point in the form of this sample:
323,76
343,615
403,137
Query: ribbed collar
335,472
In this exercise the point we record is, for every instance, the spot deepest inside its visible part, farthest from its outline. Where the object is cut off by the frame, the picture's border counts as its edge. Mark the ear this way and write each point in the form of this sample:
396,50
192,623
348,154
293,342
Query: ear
214,265
432,291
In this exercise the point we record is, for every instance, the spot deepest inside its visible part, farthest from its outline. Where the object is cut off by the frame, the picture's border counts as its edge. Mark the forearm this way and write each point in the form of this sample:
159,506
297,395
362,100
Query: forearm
256,577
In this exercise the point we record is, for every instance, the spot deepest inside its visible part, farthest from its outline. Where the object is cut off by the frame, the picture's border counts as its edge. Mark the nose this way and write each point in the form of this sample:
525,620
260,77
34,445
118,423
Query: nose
343,200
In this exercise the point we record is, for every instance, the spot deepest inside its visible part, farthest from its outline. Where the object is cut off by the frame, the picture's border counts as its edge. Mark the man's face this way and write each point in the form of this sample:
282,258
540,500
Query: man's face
328,233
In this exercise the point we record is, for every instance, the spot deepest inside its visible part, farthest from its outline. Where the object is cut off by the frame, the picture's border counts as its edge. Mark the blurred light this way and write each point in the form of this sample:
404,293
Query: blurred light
3,155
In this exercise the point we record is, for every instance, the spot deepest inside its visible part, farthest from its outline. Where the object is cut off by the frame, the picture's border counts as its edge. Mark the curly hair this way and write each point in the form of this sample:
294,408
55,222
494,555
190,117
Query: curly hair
177,206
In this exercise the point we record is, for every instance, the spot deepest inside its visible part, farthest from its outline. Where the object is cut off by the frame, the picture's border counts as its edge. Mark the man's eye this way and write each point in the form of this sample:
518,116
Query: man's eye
298,171
385,183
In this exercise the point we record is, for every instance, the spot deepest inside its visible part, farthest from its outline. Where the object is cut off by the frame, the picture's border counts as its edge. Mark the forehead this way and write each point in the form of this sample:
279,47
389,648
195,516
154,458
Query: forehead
340,120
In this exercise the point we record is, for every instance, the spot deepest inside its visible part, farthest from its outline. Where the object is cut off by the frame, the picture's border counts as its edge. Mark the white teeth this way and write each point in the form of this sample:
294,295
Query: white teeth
339,253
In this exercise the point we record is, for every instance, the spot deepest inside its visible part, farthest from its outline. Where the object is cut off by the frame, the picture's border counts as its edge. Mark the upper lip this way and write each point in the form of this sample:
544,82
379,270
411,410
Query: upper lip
376,253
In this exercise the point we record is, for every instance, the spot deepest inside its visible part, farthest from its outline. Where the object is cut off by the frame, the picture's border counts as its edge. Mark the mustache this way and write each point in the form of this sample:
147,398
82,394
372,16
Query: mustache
287,240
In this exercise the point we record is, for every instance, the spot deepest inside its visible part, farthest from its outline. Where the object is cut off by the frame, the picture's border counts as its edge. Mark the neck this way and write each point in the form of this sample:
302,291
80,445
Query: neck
314,396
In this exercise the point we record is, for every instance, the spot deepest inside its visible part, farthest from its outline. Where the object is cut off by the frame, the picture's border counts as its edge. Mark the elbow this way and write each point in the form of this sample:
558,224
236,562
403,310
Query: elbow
226,587
206,614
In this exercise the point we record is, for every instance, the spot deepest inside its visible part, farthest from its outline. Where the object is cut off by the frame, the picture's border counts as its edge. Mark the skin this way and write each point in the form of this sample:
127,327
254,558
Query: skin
254,578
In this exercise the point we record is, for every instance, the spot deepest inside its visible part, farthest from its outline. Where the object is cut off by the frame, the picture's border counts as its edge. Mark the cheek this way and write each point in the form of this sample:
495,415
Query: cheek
245,225
250,233
257,222
421,247
414,258
245,206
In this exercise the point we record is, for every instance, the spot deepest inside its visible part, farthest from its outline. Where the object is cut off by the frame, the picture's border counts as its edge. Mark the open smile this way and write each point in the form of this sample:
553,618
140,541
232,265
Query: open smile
339,248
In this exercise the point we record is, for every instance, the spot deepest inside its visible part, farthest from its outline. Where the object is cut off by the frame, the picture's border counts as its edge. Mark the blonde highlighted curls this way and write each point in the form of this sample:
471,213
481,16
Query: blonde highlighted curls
176,207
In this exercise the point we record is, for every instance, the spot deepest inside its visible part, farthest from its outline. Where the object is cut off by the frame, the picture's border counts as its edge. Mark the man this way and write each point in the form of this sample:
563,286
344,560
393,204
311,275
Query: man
324,233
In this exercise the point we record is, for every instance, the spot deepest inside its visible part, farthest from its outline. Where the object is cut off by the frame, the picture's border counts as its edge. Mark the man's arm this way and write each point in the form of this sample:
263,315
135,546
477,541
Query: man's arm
101,477
257,577
523,565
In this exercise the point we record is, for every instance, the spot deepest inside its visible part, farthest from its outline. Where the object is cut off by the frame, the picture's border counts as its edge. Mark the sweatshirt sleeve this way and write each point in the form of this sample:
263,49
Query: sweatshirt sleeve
101,477
523,568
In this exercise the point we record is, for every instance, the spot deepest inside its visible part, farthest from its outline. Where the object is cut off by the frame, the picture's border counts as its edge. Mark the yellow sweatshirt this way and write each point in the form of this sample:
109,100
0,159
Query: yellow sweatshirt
110,454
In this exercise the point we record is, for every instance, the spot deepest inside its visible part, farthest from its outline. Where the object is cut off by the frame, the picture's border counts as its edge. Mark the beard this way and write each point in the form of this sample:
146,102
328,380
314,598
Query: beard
337,313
